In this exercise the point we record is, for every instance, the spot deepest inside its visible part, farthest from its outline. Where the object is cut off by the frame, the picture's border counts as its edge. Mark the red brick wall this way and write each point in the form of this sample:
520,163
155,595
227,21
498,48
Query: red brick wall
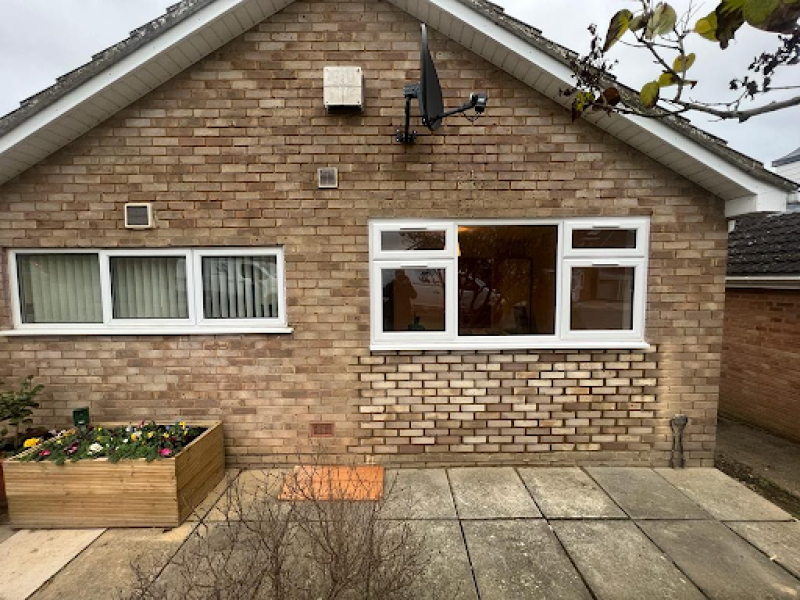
761,359
228,152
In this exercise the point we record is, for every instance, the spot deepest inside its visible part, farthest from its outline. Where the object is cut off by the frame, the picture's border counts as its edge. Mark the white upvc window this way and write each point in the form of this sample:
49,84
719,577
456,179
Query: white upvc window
152,291
515,284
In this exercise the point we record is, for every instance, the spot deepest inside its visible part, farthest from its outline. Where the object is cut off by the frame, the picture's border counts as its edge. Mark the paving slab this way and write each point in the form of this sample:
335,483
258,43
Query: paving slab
491,493
618,561
521,560
644,494
568,493
723,497
779,541
104,569
236,495
449,574
31,557
721,563
418,494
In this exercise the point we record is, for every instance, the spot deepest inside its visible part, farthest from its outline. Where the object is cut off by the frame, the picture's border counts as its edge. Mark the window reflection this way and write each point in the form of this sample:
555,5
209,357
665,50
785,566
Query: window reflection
413,299
604,238
507,279
602,298
412,240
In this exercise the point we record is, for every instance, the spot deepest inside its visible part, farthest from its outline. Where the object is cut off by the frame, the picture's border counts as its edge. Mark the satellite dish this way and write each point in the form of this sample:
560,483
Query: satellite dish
429,93
431,105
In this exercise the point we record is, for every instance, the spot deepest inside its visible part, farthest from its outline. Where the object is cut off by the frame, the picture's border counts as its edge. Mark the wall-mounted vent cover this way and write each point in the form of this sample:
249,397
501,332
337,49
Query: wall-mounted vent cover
343,88
138,215
321,430
328,178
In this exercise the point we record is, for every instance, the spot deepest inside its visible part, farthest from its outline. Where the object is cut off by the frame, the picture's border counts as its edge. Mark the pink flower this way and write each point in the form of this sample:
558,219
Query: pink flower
72,449
44,452
165,452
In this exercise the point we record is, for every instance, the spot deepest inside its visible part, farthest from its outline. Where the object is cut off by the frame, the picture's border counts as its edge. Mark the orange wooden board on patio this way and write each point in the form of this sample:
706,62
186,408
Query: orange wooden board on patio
334,483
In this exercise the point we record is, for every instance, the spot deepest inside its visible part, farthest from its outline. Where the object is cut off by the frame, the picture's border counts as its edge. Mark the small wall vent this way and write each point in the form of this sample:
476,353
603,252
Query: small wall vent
328,178
317,430
138,215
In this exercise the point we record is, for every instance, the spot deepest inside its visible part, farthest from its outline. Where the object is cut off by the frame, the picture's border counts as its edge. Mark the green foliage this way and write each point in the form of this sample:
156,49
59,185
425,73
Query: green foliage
682,63
661,22
617,27
17,406
775,16
649,93
146,441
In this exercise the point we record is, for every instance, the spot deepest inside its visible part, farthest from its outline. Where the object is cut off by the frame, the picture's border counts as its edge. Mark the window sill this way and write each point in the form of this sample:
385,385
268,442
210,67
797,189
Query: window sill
506,345
117,331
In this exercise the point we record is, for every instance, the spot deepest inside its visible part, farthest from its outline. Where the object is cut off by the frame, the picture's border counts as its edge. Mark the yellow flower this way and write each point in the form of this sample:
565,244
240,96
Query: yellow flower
165,436
182,424
31,442
134,437
149,435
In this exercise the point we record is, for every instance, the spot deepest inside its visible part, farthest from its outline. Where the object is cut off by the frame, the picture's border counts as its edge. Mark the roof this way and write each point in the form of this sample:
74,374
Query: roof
790,158
765,245
192,29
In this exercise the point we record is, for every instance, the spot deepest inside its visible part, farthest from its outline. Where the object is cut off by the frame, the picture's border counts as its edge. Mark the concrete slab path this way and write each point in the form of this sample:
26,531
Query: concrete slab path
528,533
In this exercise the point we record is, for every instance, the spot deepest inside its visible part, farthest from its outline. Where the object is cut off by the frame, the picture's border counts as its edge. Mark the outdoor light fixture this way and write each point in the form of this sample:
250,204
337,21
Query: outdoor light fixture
429,93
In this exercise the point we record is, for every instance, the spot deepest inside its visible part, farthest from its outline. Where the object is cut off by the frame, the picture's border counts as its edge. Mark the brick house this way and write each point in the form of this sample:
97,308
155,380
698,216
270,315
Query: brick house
522,289
761,342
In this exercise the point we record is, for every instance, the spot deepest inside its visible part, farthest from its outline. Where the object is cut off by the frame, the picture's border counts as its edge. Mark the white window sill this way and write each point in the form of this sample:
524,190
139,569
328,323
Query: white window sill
511,345
23,332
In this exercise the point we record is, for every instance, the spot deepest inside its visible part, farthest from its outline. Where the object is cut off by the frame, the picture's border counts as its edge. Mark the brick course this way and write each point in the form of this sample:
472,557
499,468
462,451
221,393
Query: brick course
761,359
228,153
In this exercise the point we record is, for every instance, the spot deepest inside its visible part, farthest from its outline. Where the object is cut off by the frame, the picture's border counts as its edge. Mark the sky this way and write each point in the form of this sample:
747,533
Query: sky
43,39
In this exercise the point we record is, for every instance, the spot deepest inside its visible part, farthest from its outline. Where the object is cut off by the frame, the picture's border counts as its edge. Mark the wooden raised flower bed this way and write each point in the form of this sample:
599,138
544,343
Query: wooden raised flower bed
129,493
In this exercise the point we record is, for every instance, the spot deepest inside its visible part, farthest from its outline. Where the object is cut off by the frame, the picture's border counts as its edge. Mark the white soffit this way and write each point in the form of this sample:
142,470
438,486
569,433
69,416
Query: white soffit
211,27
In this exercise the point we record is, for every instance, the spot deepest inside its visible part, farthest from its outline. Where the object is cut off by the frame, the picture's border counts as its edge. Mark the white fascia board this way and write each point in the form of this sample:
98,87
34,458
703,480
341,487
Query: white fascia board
117,72
766,197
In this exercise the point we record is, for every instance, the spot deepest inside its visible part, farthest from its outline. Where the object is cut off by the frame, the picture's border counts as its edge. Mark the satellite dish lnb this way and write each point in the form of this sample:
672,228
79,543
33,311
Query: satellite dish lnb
429,93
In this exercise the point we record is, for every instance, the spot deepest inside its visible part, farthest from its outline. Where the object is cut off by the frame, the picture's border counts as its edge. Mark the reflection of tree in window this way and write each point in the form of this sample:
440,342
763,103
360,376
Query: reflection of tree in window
602,298
412,240
506,279
413,299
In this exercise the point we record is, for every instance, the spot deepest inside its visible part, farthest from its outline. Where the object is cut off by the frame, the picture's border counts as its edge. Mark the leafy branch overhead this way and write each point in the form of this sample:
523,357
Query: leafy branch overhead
656,28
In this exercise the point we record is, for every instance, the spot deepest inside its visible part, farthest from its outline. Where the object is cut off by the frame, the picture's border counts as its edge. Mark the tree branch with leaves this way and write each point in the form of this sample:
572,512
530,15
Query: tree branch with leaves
658,30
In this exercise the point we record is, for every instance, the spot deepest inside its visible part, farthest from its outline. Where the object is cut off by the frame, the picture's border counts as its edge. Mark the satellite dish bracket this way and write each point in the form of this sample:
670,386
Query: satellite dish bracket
410,92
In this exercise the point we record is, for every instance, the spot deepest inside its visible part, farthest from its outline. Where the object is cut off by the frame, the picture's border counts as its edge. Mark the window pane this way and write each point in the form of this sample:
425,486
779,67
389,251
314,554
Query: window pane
602,298
149,287
417,239
240,287
507,279
604,238
413,299
59,288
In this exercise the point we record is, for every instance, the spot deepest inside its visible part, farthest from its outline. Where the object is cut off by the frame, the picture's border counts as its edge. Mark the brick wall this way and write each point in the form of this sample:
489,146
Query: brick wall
228,152
761,359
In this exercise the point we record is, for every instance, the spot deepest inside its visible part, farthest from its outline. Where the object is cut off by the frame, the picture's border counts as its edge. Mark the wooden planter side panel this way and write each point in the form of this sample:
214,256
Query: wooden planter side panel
199,468
98,493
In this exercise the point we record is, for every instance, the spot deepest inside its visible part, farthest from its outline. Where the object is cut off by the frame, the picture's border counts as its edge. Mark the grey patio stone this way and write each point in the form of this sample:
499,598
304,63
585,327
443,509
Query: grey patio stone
568,493
491,493
418,494
618,561
719,562
520,560
449,575
779,541
723,497
644,494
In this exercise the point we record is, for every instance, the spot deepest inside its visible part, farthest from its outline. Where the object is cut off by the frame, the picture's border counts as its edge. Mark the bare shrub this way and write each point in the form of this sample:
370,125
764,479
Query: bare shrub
318,544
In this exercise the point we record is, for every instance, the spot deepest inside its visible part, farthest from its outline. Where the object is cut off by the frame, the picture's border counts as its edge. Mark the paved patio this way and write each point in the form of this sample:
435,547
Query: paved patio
555,533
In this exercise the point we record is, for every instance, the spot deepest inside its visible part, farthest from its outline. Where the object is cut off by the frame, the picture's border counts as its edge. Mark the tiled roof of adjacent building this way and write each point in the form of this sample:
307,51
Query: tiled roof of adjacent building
790,158
765,244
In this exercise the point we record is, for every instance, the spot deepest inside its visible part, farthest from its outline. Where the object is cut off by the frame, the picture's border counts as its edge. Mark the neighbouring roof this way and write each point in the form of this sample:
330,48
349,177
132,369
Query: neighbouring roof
192,29
766,244
790,158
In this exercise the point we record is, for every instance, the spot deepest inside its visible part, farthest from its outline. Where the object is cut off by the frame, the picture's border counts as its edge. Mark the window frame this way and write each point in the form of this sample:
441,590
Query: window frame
195,323
566,257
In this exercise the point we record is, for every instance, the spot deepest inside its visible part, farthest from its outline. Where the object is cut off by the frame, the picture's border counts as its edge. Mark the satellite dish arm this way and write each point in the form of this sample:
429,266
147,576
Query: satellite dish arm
476,101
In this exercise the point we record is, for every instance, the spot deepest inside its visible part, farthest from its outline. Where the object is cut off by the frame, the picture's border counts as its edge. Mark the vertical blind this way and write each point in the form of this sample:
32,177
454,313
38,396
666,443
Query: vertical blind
59,288
149,287
240,287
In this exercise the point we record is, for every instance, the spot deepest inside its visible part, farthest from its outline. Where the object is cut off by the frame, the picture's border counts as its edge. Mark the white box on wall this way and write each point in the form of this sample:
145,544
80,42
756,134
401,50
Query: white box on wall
343,88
